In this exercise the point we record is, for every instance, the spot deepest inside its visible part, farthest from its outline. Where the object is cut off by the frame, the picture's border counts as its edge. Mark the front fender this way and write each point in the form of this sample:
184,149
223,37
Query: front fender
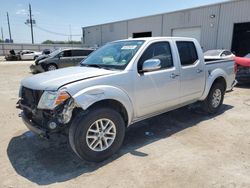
87,97
212,76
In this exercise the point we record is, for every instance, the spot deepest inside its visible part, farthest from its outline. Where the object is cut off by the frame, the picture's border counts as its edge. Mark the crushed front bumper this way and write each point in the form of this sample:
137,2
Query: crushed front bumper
33,127
36,68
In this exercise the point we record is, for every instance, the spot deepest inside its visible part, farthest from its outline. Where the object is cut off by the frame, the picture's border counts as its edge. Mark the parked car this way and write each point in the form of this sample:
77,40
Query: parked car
46,51
219,54
12,56
119,84
60,58
243,69
29,55
44,55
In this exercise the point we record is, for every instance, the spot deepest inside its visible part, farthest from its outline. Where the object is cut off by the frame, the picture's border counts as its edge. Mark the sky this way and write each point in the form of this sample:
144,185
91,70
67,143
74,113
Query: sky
56,19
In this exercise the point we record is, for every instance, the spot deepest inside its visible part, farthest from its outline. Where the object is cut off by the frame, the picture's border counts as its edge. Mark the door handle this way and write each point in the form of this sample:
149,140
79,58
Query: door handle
199,70
173,75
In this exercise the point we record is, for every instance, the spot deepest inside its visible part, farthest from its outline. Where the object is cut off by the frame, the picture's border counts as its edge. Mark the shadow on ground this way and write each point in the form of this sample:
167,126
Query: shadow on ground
45,162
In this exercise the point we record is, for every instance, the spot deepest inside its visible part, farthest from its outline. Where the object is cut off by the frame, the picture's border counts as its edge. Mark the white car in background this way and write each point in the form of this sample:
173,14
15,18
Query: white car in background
220,54
29,55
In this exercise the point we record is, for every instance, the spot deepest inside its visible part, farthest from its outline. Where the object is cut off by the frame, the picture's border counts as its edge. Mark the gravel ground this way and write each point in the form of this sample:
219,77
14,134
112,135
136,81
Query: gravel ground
182,148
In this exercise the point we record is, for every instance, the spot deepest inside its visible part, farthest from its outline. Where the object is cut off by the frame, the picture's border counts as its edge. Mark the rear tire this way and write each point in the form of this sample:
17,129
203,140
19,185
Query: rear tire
97,134
214,99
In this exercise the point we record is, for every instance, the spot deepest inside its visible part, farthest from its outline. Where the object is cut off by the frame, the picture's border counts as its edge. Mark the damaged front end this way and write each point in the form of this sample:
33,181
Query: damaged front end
46,112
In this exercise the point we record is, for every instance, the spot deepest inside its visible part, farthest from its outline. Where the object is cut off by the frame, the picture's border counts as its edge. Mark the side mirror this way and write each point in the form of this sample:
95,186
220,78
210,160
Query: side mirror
151,65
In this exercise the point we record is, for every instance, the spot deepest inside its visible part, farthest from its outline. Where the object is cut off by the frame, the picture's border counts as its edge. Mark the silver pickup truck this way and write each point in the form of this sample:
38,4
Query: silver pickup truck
119,84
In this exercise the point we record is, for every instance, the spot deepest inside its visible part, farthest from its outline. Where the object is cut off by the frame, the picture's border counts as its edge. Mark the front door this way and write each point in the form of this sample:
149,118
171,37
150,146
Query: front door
66,59
157,90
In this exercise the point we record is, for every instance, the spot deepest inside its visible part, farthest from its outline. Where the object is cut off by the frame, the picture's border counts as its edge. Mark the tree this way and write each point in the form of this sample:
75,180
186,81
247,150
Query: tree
60,42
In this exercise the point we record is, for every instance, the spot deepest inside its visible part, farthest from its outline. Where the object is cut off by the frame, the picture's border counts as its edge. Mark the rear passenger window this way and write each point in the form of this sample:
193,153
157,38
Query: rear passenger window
67,53
187,52
159,50
87,52
81,52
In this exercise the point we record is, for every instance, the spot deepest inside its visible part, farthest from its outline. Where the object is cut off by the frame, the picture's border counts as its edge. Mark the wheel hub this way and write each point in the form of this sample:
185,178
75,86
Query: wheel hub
216,98
101,135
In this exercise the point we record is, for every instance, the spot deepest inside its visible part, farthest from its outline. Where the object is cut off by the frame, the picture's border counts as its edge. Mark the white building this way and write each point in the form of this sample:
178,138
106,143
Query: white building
223,25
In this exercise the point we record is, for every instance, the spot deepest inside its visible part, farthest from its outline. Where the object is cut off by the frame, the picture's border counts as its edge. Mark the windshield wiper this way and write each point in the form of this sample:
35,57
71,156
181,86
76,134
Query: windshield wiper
96,66
93,65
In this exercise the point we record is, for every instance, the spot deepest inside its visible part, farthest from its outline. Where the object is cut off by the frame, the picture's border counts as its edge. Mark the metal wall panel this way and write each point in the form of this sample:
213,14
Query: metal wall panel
233,12
216,23
92,36
114,31
205,17
146,24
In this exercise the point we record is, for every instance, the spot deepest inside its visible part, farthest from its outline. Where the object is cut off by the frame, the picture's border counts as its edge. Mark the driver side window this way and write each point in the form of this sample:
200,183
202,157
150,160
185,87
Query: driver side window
66,53
158,50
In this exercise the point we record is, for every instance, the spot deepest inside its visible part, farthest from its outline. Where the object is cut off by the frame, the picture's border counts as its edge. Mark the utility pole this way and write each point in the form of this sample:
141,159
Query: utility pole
8,20
31,24
70,36
2,33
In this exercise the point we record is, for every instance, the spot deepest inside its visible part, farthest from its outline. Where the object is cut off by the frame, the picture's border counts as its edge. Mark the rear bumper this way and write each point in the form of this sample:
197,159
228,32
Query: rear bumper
36,68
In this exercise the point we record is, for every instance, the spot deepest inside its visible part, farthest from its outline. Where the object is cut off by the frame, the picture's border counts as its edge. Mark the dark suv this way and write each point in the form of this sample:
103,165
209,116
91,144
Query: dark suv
61,58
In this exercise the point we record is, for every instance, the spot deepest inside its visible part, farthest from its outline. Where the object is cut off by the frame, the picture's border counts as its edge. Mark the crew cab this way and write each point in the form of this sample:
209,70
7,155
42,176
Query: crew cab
119,84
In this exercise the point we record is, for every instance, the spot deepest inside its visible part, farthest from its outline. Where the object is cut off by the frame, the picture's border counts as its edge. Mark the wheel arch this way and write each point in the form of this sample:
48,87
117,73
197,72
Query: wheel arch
105,96
113,104
217,76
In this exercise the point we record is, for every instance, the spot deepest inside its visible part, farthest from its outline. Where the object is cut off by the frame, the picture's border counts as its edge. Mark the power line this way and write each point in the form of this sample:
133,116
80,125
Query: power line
55,33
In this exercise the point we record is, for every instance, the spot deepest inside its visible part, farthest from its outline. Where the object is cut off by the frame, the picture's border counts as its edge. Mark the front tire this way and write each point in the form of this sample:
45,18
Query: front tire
97,135
51,67
214,100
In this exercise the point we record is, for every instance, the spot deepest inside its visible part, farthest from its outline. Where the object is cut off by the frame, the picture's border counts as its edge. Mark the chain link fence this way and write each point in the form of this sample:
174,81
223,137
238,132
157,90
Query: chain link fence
6,47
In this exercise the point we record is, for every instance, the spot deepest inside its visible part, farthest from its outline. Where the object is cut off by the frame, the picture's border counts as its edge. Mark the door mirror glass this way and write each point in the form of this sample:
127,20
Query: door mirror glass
151,65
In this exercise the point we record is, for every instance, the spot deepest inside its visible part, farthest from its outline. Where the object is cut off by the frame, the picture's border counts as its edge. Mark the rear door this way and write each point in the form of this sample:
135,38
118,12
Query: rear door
192,78
158,90
79,55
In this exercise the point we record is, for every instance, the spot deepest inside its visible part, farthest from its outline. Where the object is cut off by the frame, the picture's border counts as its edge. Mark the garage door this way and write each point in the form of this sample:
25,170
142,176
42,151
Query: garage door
194,32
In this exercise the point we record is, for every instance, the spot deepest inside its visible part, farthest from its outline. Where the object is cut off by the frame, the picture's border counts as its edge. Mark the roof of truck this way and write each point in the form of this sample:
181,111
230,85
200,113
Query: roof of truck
157,38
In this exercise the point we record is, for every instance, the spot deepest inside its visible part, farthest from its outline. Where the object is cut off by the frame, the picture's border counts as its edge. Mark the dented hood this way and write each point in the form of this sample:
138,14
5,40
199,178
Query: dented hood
53,80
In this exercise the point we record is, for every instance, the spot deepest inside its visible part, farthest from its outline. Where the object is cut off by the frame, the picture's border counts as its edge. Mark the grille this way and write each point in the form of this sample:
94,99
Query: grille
31,97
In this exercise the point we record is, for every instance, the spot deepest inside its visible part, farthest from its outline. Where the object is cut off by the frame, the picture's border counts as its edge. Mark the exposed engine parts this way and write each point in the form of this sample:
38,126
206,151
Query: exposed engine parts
65,116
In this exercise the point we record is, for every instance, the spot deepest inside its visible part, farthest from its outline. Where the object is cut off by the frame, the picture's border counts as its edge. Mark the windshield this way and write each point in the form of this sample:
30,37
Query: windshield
212,53
115,55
